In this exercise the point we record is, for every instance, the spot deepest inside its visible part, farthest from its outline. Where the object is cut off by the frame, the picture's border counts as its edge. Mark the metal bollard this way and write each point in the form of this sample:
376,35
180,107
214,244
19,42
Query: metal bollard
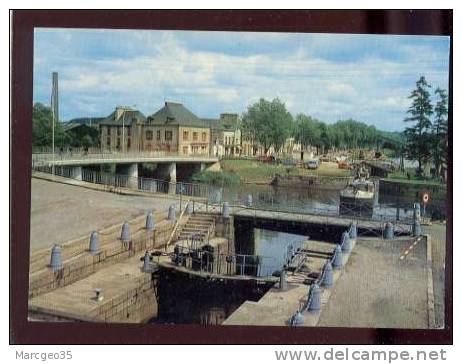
98,294
328,279
94,242
346,243
416,228
125,234
282,280
389,231
249,200
171,213
315,295
225,209
353,230
296,319
146,263
337,262
149,221
417,211
56,262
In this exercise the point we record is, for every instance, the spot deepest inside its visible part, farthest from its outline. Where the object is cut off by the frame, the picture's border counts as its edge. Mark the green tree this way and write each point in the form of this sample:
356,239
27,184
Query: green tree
42,128
307,130
419,134
267,123
440,130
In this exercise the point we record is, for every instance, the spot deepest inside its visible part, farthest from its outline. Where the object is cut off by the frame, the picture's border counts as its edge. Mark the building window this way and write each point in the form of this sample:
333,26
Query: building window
148,134
158,134
195,136
168,135
185,150
129,131
128,143
108,130
118,130
108,141
204,137
118,143
185,135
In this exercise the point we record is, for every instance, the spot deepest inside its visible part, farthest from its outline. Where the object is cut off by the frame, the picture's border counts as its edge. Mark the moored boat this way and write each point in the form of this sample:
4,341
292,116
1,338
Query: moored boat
357,198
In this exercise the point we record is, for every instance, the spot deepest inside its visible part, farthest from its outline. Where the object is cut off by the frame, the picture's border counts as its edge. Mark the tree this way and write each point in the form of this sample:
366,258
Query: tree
267,123
440,130
419,135
42,128
307,130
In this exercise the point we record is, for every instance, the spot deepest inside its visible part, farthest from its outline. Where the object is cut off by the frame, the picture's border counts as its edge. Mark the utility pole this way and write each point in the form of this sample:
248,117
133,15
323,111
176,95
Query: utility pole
123,132
54,116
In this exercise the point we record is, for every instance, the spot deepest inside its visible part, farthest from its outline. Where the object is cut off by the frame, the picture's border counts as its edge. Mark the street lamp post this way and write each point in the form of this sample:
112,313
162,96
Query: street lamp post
123,132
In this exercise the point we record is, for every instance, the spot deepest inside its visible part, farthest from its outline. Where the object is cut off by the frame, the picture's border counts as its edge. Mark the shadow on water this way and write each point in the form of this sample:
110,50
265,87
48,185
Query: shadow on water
183,299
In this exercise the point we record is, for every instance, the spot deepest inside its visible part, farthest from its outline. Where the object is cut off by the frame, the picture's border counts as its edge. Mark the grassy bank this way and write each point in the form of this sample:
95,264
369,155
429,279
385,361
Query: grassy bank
251,171
218,178
402,177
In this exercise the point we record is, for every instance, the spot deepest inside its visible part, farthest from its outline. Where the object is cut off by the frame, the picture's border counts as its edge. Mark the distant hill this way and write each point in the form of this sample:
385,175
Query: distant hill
85,121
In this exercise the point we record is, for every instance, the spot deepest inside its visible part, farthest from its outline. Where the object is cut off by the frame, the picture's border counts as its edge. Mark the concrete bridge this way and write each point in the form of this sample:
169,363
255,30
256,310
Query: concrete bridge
127,163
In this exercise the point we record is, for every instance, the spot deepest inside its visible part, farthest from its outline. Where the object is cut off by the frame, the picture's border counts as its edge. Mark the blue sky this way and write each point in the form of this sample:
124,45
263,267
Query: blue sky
327,76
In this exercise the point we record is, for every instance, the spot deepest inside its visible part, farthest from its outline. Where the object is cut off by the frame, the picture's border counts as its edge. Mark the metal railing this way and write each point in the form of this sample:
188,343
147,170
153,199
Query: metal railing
215,196
204,261
119,181
84,155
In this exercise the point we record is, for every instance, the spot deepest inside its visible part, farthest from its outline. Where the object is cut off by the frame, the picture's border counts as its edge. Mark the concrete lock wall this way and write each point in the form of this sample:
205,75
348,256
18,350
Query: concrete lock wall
45,280
137,305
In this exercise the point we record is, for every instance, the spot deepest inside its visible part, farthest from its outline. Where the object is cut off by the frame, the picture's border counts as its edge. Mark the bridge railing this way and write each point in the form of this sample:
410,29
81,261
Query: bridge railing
214,196
238,201
95,154
118,181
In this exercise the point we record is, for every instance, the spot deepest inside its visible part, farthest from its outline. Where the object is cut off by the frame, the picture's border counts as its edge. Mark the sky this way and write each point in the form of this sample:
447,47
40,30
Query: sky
327,76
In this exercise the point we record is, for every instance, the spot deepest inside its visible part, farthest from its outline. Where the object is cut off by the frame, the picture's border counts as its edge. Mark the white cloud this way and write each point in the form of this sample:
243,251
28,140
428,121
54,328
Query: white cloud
144,67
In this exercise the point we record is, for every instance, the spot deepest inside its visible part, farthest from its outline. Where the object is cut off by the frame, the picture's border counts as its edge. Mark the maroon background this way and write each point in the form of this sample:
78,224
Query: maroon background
428,22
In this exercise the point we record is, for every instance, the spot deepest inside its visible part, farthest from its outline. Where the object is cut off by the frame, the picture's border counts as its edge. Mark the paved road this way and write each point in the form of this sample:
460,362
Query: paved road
438,236
62,212
377,289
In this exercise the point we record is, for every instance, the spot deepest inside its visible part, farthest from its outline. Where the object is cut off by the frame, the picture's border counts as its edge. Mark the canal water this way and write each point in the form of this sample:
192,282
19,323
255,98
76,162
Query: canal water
188,300
318,200
183,299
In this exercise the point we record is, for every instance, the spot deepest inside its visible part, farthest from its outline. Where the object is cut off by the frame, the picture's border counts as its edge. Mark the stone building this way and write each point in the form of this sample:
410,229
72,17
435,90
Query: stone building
176,129
122,130
225,135
172,129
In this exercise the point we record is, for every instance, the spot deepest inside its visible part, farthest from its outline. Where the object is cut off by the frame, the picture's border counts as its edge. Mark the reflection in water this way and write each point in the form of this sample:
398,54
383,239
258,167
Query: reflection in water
272,247
184,299
316,200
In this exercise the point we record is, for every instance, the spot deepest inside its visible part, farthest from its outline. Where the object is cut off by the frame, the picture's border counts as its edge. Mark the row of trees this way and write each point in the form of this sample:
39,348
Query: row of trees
268,123
427,136
42,131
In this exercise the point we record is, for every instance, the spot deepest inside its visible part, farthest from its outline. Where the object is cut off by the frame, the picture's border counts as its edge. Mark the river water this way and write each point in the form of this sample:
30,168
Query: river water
210,303
323,201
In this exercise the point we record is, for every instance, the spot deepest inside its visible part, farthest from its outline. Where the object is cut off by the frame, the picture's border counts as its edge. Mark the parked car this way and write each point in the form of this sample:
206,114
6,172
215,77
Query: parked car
344,165
312,164
288,162
267,159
